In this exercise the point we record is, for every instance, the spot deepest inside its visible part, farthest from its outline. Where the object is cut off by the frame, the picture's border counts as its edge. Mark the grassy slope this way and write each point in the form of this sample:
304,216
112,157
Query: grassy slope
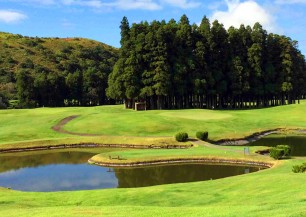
35,124
19,48
275,192
220,124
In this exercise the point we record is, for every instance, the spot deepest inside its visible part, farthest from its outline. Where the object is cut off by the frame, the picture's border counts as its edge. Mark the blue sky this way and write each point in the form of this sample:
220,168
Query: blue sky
100,19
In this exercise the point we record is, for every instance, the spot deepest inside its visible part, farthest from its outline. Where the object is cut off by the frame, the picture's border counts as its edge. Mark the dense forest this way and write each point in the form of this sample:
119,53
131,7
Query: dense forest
178,65
164,65
39,72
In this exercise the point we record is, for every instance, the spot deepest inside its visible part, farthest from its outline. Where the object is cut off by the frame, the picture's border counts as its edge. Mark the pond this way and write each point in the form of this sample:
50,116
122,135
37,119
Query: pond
296,142
47,171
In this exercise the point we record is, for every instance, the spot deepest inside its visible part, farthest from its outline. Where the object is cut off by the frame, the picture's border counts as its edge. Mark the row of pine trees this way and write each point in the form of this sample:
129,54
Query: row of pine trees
175,65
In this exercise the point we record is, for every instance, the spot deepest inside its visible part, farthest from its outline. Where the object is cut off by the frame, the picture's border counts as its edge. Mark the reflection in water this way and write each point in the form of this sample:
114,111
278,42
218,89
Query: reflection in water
68,170
167,174
297,143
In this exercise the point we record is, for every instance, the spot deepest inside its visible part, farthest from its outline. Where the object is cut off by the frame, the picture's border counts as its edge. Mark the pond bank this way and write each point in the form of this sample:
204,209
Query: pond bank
255,137
117,163
93,145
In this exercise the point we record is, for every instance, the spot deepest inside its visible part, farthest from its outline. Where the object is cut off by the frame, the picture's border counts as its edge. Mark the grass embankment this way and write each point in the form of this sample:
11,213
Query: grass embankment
210,153
34,125
32,128
274,192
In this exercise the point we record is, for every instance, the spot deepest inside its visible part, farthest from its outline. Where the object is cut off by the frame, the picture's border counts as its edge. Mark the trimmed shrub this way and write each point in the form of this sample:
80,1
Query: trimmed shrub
276,153
299,168
286,148
202,135
280,151
181,137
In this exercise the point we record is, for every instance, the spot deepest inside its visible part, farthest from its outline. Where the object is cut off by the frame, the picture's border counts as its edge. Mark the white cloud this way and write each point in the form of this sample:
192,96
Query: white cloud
290,2
8,16
248,13
185,4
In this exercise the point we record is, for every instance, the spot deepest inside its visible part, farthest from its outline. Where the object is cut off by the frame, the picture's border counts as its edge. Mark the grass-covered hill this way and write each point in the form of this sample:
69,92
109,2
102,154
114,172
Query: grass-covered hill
71,68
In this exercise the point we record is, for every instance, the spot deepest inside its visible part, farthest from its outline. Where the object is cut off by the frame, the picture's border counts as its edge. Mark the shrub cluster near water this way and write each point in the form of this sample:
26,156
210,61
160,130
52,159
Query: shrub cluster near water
181,137
280,151
202,135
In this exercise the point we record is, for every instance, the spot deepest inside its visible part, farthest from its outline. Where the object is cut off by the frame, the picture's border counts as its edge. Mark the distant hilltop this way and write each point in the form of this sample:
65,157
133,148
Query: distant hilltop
54,71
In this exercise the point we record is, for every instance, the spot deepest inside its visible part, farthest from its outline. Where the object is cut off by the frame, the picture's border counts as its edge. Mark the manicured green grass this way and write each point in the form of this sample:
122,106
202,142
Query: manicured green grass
35,124
272,192
219,124
195,153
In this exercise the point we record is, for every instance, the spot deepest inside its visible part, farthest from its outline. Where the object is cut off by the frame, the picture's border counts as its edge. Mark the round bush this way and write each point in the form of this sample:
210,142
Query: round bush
181,137
280,151
276,153
286,148
299,168
202,135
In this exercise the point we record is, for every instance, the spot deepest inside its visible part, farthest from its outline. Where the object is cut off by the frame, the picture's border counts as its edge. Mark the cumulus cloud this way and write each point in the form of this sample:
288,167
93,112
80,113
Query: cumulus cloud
8,16
290,2
247,12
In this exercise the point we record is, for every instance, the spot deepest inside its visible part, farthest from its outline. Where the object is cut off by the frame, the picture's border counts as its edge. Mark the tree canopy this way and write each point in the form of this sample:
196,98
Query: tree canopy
54,71
179,65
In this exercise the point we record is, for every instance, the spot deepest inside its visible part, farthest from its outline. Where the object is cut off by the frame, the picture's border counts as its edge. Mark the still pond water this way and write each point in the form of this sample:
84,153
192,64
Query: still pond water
68,170
297,143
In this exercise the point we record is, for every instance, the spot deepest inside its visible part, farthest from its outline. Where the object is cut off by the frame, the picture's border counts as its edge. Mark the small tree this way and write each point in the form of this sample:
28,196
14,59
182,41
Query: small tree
181,137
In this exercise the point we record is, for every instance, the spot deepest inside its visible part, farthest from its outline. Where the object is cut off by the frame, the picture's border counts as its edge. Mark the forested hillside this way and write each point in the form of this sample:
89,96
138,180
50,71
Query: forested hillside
179,65
54,71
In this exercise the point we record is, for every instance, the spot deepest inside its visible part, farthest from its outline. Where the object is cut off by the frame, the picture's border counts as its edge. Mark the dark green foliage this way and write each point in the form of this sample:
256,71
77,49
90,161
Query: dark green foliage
3,102
280,151
286,148
299,168
202,135
178,65
181,137
276,153
54,72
